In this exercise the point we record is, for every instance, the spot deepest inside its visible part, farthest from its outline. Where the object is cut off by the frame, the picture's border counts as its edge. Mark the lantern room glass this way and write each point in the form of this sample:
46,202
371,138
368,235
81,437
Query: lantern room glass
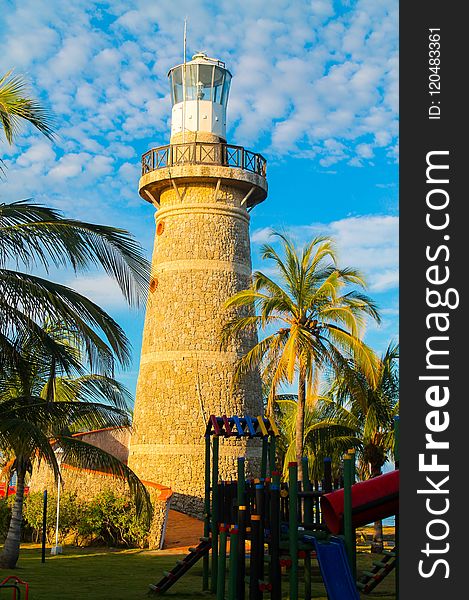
202,82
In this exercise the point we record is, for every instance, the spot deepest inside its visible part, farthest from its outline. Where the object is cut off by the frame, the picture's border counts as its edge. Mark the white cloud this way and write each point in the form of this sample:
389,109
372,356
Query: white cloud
72,57
323,8
86,95
370,243
365,150
310,78
40,151
261,236
41,39
385,281
368,231
100,289
70,165
107,60
316,79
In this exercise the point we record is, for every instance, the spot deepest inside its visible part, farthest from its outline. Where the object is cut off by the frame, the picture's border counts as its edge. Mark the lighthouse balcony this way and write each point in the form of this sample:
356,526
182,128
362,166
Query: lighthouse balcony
218,163
203,153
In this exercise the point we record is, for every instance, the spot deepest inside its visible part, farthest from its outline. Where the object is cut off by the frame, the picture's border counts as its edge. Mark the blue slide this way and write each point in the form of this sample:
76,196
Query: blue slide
335,569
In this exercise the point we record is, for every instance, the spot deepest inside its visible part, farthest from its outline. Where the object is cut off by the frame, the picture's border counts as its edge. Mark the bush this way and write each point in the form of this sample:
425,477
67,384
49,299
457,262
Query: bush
112,520
107,519
71,510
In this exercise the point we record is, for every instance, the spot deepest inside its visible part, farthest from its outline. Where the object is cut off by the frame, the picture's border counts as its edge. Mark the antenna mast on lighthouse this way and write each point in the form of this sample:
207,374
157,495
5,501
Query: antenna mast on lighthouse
184,84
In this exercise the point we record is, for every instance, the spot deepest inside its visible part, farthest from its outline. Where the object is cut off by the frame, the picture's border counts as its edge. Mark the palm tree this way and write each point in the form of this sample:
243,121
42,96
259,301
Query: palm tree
40,408
31,235
321,316
368,407
16,105
32,424
323,437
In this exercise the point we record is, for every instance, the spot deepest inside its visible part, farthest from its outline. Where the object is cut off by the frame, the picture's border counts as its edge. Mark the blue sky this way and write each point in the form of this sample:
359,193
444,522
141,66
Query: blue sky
315,90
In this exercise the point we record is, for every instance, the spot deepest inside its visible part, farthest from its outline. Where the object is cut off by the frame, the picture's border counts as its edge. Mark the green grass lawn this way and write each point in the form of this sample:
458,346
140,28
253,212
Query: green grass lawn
101,574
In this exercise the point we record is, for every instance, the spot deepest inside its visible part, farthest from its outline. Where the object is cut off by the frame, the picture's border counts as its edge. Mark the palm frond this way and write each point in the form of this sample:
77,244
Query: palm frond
54,417
361,353
16,105
93,388
35,234
41,299
27,441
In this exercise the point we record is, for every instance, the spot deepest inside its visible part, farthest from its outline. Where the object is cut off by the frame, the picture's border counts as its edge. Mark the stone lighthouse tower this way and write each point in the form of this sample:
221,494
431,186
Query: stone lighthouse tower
203,190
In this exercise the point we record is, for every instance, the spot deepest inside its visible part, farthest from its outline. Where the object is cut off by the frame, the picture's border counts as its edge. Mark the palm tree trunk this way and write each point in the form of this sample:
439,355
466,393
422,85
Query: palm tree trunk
300,423
11,549
377,544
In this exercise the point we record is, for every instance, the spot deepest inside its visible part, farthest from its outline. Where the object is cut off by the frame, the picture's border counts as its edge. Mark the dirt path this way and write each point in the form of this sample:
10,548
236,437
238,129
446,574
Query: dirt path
182,531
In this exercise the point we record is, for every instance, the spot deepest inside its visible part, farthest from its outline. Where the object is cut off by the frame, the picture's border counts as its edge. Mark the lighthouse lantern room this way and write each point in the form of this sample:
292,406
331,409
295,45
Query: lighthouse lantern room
199,96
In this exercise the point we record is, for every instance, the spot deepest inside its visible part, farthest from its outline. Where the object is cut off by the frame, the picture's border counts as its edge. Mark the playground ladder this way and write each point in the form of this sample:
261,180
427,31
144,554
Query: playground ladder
381,568
182,566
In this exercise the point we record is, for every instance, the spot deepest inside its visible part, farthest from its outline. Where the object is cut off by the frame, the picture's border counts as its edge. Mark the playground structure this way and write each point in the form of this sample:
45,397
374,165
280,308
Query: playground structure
297,521
16,585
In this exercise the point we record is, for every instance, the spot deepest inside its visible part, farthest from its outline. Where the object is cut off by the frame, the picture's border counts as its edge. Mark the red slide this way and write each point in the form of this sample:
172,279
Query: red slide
372,500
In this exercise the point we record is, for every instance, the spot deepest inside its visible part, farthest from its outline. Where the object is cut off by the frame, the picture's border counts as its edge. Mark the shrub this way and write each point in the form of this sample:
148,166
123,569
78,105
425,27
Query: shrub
71,510
112,520
108,519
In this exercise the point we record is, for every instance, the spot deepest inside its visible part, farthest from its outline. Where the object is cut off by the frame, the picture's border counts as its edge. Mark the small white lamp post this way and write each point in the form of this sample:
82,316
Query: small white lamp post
57,549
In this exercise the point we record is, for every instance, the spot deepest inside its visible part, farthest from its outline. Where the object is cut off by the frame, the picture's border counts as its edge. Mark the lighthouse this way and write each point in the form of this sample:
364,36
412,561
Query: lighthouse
203,190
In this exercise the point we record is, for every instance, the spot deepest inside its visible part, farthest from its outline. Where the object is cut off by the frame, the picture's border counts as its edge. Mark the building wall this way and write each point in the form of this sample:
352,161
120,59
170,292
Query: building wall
113,440
201,258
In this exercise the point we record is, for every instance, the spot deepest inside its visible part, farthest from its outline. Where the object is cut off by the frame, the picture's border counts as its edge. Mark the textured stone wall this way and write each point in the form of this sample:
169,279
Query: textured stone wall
87,484
113,440
195,136
201,257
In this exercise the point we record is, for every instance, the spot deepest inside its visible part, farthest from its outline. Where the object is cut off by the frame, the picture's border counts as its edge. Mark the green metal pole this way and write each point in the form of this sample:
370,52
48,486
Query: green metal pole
396,522
293,528
232,581
265,447
272,452
215,450
241,490
242,524
348,526
354,532
205,566
255,558
222,563
307,575
275,569
307,487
